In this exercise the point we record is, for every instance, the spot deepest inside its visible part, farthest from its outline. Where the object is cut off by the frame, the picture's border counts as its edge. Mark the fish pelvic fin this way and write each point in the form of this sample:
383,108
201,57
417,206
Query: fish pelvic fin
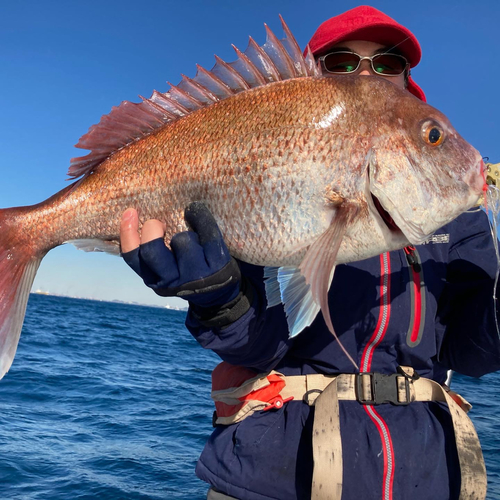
18,267
276,60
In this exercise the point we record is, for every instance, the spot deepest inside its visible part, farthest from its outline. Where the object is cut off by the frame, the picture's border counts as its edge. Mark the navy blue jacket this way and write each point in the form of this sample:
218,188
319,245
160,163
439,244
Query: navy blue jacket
375,311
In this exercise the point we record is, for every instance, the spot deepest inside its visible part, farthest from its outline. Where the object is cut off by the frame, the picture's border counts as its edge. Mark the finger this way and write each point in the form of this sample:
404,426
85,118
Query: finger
134,260
129,230
190,256
201,220
152,230
160,262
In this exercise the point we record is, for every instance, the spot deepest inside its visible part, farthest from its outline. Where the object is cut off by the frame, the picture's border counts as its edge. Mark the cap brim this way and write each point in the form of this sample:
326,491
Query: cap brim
383,33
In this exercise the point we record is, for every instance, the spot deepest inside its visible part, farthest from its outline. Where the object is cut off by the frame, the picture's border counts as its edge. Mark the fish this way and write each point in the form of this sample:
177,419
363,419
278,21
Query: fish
302,172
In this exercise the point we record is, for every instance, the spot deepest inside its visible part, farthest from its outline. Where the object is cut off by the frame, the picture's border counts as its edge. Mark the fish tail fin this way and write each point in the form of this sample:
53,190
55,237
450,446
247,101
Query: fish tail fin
19,262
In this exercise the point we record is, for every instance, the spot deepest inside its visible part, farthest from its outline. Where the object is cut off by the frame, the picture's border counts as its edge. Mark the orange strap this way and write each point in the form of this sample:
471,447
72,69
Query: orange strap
238,392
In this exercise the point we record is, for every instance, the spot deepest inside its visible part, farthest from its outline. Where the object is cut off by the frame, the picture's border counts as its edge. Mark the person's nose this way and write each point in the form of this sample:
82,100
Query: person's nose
366,68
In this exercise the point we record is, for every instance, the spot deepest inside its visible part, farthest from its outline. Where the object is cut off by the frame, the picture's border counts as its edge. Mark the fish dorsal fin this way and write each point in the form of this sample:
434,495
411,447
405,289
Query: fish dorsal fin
276,60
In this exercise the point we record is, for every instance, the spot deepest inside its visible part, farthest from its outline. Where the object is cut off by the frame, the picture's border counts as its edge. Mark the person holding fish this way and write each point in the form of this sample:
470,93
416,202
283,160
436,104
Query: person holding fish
312,182
296,417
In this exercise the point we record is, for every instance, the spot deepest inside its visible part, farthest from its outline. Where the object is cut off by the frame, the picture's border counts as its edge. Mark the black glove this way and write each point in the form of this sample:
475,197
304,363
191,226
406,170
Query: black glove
199,267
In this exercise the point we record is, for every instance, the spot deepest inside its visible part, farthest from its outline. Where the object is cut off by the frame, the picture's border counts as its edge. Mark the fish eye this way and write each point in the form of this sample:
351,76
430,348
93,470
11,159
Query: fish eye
432,134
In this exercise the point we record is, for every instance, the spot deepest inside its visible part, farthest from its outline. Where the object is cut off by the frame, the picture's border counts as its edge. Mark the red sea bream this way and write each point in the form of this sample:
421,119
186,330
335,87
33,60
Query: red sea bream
301,171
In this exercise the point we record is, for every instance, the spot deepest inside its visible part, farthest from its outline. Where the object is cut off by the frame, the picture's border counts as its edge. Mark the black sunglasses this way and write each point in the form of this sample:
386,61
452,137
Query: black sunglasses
385,64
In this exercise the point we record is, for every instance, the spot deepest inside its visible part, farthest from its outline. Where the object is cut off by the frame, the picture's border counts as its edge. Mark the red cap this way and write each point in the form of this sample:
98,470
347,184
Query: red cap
368,23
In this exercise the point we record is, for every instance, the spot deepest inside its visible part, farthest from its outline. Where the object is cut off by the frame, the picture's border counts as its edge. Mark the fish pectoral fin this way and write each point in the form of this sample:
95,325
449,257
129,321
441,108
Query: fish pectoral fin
318,265
95,245
304,290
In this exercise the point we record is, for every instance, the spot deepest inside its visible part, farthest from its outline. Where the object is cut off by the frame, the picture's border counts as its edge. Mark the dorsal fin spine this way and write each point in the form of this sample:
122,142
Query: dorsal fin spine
282,54
198,89
268,65
294,46
312,66
250,66
148,102
176,108
182,97
225,90
243,84
155,96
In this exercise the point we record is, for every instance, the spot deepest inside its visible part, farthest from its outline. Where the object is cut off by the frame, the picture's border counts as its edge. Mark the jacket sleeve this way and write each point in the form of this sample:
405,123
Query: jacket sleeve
257,339
467,311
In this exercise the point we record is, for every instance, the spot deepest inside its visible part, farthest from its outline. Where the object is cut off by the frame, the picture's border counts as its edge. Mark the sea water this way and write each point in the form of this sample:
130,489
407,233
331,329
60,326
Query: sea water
112,401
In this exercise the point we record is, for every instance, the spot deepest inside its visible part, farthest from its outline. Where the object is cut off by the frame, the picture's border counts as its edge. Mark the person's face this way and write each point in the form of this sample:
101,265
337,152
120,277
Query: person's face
366,49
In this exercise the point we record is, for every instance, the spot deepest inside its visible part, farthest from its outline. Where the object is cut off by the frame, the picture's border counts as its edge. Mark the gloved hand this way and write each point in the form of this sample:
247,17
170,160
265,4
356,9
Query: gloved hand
198,268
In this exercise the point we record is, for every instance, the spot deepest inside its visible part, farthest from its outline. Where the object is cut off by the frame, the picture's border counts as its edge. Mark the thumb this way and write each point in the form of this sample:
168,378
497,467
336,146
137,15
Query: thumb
129,230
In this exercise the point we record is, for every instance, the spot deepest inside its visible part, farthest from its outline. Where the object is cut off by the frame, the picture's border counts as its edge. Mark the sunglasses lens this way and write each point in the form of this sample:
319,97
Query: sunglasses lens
389,64
341,62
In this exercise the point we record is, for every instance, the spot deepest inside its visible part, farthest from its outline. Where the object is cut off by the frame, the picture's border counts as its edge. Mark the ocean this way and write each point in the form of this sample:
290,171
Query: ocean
112,401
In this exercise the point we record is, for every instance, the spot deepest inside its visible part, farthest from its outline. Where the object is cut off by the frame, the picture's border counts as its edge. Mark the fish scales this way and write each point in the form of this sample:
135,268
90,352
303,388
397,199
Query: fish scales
242,155
301,174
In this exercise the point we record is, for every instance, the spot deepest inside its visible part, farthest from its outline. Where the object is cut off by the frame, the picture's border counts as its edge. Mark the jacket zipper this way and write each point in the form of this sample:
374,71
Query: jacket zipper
366,364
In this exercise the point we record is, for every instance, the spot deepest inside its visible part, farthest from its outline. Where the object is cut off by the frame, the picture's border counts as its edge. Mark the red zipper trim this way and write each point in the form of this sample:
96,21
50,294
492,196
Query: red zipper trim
366,363
417,308
415,330
384,313
385,436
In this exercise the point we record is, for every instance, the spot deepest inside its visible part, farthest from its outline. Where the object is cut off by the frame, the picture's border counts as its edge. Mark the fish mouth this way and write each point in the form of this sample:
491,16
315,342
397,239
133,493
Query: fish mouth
385,215
411,232
384,219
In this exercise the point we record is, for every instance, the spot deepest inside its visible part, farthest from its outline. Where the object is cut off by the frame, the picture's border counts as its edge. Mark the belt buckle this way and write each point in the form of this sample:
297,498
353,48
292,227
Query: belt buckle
384,389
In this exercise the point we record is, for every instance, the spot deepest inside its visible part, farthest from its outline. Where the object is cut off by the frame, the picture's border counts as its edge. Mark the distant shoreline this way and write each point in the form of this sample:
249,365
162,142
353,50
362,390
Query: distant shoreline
112,301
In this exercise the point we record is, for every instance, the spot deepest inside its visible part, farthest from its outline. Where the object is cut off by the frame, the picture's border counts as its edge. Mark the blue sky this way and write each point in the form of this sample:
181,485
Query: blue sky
65,63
